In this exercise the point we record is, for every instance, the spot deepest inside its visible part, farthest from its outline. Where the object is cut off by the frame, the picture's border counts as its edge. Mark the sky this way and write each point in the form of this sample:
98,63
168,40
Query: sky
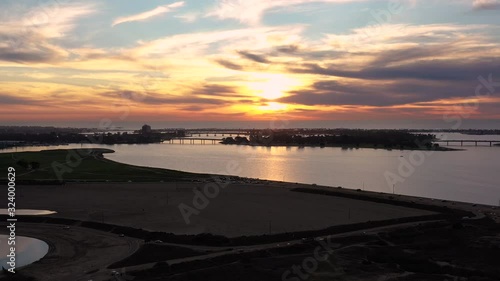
218,60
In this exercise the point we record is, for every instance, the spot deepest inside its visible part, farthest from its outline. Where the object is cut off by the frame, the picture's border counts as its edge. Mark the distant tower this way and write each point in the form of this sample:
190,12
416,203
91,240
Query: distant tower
146,129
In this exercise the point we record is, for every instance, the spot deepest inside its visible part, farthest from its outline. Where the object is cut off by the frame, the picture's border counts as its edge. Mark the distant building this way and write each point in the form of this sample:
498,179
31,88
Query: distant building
146,129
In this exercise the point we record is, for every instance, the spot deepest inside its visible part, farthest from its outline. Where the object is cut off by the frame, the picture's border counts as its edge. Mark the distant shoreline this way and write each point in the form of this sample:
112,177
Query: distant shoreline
348,147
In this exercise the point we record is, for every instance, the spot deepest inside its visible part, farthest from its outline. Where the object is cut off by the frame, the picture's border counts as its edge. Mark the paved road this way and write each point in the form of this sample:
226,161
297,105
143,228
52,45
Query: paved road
254,248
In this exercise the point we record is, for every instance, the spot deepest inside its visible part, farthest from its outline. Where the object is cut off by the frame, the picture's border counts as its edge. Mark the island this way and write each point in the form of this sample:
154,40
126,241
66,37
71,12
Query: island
345,138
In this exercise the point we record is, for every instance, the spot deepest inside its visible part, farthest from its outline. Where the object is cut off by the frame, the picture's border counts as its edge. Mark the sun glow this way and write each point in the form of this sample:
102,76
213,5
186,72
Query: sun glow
273,106
272,86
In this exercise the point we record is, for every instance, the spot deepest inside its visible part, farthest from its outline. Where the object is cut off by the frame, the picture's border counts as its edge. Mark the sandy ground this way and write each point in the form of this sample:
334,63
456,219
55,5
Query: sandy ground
239,209
75,254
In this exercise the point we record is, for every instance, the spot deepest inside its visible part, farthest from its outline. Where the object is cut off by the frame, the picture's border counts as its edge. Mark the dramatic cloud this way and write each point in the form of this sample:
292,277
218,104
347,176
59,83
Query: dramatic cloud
364,93
229,64
6,99
217,90
226,40
30,38
251,12
254,57
35,55
291,49
307,58
158,11
206,94
486,4
450,70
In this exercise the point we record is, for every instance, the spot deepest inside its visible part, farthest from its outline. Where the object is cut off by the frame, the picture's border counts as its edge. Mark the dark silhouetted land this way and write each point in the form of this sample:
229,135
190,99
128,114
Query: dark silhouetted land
252,229
55,166
347,138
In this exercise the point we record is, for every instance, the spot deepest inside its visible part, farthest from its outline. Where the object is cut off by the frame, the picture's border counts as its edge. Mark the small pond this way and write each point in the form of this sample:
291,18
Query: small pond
28,250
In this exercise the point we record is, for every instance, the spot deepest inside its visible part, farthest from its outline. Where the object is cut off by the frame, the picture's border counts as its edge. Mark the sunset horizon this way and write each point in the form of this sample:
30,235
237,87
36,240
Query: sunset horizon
248,61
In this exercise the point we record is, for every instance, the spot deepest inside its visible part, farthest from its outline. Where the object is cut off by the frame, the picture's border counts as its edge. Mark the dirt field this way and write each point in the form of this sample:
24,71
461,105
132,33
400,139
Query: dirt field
239,209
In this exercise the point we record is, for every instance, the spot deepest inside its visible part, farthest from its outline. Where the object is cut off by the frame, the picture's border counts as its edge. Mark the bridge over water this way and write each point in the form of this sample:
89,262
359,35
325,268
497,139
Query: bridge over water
215,133
469,142
192,141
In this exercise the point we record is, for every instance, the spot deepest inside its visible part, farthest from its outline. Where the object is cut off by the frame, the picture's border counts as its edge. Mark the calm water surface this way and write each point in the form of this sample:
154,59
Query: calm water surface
472,175
28,250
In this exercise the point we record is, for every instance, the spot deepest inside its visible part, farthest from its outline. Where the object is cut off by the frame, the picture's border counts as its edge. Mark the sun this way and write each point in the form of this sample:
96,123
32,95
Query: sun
272,86
273,106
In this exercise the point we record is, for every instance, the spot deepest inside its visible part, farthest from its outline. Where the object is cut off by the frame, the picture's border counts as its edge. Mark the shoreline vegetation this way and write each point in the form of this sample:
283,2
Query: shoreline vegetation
345,147
402,139
84,165
345,138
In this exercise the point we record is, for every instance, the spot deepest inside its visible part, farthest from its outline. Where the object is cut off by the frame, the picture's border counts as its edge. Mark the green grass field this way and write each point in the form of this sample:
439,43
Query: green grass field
83,165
